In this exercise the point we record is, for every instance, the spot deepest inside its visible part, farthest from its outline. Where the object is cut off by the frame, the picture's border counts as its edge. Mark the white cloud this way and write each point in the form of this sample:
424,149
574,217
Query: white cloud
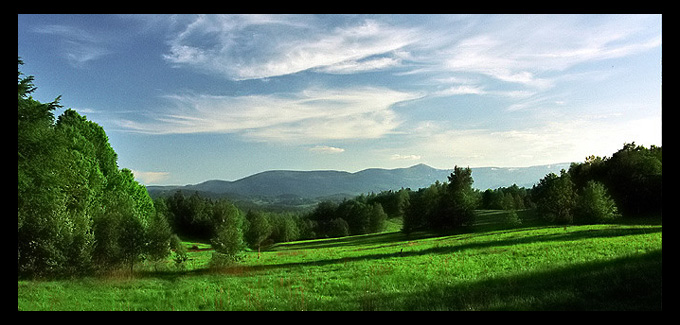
248,47
150,177
508,48
513,49
307,116
353,66
461,90
326,149
405,157
566,140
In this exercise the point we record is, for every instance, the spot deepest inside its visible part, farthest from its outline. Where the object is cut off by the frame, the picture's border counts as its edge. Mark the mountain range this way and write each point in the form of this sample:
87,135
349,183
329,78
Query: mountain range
291,185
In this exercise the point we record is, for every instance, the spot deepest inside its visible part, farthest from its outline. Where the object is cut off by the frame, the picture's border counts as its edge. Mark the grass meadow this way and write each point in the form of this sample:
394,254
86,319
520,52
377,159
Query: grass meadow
489,267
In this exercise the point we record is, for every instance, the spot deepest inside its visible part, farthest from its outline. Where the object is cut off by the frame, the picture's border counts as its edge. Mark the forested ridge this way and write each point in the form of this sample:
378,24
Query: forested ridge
80,213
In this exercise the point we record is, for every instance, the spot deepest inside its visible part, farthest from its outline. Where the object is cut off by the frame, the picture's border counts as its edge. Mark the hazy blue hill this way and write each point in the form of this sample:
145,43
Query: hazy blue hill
315,184
414,177
299,183
494,177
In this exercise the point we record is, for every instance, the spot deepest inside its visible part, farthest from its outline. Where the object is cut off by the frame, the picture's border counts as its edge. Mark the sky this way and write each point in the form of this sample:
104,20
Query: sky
189,98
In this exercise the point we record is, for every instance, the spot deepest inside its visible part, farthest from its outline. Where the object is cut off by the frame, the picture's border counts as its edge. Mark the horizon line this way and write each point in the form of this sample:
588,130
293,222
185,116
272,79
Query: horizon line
344,171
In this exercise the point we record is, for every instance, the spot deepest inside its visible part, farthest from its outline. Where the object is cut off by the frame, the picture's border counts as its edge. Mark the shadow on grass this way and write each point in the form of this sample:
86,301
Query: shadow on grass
401,250
360,240
631,283
626,283
487,220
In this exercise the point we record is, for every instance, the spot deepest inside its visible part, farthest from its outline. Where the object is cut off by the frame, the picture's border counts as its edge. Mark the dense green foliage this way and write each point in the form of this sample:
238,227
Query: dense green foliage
77,211
350,217
555,197
507,198
228,239
632,176
594,205
602,189
443,206
200,218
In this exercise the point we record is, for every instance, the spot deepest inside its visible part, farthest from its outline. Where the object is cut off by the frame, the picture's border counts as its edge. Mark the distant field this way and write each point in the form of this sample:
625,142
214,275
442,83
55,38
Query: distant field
533,267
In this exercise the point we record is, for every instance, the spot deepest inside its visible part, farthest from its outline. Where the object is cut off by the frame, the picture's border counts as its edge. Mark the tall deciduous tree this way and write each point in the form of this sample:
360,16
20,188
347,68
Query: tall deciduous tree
159,233
377,217
228,240
258,228
458,203
555,197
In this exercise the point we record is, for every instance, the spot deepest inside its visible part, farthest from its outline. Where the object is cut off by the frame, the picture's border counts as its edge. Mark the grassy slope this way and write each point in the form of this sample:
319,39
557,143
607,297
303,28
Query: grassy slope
611,267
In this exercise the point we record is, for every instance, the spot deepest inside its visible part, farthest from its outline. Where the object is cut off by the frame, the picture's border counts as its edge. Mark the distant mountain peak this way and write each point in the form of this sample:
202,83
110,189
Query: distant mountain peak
421,166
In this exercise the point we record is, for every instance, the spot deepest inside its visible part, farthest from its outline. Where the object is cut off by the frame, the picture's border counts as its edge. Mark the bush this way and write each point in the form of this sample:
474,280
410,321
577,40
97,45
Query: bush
512,219
594,205
179,251
228,241
220,260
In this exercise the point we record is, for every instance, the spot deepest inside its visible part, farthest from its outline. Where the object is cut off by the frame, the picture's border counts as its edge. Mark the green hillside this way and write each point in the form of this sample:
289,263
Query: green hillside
535,267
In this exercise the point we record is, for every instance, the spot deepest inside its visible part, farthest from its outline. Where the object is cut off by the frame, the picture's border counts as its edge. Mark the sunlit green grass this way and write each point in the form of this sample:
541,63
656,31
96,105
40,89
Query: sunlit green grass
601,267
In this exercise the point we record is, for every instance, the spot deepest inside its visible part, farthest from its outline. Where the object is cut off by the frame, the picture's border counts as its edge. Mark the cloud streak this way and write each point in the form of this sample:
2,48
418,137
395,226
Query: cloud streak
78,46
516,51
252,47
327,149
405,157
310,115
150,177
507,48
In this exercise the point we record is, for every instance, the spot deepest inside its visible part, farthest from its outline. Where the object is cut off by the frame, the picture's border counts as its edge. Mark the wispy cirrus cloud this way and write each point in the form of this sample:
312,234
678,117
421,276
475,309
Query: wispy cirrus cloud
77,46
505,48
307,116
515,51
251,47
352,66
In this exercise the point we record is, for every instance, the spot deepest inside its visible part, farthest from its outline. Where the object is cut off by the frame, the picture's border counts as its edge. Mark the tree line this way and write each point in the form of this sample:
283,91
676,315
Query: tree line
201,218
629,183
595,191
598,190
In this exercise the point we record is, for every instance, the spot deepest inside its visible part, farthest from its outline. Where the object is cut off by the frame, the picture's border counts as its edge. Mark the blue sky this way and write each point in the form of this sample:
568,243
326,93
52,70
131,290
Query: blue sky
188,98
